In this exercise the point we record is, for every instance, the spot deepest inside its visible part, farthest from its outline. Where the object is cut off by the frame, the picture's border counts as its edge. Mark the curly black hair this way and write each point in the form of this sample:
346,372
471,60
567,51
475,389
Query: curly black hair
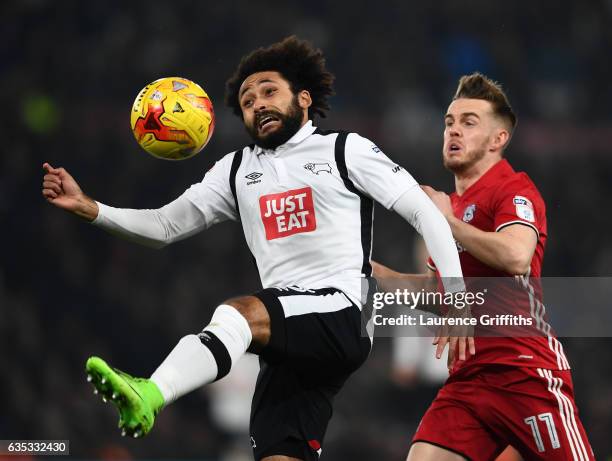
302,65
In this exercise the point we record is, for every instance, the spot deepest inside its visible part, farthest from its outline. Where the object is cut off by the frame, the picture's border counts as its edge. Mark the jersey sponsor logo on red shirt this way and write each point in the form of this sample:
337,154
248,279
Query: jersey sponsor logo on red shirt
288,213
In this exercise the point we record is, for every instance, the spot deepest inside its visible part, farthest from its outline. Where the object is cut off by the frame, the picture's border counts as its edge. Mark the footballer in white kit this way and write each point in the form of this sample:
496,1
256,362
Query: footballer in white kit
306,207
304,198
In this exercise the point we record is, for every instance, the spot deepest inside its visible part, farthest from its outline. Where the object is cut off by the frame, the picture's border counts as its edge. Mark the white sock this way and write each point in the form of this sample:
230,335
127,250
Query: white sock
201,359
187,367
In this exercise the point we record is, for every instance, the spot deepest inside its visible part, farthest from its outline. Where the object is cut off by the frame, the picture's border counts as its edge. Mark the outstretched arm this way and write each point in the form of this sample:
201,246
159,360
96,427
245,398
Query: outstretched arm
374,174
416,207
389,280
155,228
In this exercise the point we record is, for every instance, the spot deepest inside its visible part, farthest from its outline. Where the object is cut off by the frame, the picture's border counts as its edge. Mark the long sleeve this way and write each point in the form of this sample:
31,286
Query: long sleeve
416,208
201,206
392,186
156,228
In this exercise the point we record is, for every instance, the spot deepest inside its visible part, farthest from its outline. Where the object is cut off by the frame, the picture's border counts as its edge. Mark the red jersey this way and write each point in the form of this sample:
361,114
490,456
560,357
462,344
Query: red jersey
500,198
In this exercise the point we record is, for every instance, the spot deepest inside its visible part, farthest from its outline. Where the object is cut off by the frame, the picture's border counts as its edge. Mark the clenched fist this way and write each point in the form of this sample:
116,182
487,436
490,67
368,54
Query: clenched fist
61,190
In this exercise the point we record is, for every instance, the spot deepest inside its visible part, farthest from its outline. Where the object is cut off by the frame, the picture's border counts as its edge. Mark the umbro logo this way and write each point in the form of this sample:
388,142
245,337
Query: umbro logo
253,177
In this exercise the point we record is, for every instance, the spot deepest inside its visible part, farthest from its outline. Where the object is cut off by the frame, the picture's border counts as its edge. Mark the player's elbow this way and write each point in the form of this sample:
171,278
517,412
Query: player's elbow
517,262
156,244
162,244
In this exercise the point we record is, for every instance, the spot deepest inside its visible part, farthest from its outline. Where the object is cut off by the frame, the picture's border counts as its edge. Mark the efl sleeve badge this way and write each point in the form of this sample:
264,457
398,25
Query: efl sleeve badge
524,208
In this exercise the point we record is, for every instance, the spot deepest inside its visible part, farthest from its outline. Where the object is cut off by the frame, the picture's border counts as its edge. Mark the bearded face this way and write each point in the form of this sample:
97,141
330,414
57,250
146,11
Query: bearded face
272,128
271,111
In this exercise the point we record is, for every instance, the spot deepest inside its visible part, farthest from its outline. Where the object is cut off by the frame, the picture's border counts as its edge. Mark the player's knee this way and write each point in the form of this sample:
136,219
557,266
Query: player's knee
254,311
246,305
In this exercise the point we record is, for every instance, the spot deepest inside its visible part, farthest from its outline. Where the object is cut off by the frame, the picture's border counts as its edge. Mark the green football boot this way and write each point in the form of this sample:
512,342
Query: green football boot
137,399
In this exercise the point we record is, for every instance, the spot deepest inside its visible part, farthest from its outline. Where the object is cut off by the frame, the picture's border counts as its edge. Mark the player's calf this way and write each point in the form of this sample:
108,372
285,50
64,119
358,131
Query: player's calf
207,357
195,361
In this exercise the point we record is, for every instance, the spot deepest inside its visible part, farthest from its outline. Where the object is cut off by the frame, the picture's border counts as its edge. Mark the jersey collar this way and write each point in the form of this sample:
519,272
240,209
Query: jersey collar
301,134
306,130
501,169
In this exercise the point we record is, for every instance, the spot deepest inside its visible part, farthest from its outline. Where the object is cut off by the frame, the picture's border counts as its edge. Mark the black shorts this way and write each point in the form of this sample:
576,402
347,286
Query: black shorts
315,345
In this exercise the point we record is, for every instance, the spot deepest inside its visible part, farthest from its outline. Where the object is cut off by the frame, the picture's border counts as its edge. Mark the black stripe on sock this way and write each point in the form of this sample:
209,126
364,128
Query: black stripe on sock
219,352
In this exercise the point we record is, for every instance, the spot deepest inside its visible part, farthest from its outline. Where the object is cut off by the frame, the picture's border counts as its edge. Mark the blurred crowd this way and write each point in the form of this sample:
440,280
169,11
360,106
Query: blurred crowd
67,290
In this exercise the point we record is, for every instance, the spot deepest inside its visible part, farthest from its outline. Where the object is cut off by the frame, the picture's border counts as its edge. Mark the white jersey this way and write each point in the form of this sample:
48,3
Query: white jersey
306,207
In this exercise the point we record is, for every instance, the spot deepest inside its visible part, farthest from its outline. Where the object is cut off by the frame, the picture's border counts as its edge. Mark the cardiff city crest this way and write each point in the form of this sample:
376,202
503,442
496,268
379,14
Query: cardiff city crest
468,214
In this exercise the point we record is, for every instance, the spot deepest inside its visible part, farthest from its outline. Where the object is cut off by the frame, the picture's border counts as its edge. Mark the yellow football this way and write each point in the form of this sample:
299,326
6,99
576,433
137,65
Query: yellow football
172,118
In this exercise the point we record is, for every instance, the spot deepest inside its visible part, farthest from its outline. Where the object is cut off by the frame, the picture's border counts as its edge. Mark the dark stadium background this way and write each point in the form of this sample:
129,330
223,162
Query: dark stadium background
69,72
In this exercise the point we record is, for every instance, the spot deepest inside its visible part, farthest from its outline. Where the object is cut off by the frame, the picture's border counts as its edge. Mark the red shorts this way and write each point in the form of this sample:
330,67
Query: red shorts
477,414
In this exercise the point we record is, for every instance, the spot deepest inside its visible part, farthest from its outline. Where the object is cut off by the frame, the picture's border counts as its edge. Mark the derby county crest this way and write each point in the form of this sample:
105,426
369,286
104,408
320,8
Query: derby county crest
468,214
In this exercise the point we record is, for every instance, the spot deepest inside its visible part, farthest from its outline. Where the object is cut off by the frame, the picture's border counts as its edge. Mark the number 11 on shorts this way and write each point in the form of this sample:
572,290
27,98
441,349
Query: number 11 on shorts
532,421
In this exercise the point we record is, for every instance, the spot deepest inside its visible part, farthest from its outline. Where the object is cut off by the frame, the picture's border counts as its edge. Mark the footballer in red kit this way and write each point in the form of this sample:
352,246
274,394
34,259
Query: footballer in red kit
499,199
514,391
